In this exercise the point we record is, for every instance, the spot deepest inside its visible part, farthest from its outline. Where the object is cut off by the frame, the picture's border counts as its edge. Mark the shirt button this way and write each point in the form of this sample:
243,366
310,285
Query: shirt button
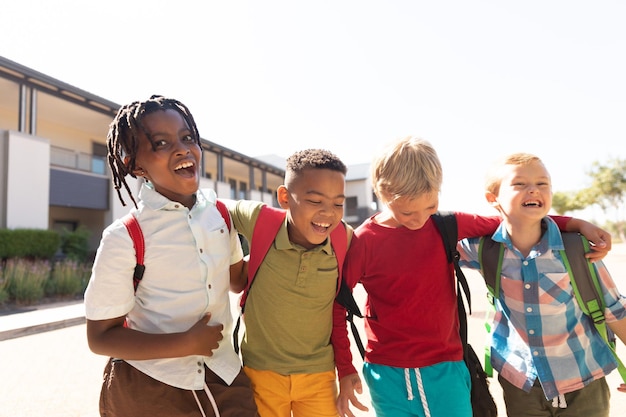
535,353
199,363
527,286
199,371
531,332
529,309
209,288
525,263
222,231
176,206
201,251
190,216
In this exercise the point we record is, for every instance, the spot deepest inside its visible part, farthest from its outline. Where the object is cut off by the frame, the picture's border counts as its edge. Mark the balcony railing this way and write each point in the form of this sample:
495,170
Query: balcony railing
80,161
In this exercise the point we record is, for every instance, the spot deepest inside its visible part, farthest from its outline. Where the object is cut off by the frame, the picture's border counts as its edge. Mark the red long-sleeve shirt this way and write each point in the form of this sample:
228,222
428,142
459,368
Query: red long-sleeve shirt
411,309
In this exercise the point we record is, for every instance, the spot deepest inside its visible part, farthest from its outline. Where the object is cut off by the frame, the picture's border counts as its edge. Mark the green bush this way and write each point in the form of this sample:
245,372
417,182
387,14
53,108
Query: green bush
68,278
4,294
26,280
75,245
28,243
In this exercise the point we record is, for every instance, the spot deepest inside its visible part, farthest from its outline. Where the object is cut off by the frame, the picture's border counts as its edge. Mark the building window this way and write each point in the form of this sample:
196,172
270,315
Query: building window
233,188
243,189
98,159
64,225
351,206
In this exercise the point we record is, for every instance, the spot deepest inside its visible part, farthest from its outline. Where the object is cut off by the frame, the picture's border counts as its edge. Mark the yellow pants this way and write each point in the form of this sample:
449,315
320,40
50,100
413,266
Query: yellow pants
306,395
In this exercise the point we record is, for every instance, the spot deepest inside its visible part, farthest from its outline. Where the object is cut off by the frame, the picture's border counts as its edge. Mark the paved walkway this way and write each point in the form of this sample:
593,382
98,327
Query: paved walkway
51,320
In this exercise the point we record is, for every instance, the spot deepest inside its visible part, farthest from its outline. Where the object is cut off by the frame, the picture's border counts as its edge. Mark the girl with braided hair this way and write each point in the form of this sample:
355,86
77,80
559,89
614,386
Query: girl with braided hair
165,339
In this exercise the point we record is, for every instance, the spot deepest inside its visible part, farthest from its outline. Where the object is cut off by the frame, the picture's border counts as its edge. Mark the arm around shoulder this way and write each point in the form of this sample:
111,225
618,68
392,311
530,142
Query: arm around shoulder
600,239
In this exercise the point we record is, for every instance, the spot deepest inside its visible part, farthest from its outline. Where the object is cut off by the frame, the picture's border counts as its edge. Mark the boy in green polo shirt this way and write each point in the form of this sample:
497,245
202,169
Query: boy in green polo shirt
288,312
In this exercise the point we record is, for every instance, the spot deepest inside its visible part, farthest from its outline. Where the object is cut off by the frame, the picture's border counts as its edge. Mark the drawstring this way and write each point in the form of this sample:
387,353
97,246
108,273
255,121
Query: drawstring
407,380
211,399
420,389
559,401
198,402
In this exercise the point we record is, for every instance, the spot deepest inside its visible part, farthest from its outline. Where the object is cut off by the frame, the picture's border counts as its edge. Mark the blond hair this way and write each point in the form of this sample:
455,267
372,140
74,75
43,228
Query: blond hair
493,180
408,167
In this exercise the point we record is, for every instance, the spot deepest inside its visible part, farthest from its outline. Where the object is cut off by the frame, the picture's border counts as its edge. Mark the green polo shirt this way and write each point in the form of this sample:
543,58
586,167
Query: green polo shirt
288,313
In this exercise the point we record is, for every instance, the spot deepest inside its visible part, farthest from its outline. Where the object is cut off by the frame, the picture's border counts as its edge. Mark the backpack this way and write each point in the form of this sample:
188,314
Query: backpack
483,404
134,230
583,277
266,227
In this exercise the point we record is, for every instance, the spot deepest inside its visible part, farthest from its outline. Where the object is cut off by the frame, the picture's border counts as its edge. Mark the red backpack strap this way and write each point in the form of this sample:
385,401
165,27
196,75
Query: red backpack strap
134,230
132,225
221,207
265,229
339,242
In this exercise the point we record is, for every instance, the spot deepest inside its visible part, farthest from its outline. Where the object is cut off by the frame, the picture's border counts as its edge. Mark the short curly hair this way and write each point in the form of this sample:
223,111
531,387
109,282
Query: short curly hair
312,159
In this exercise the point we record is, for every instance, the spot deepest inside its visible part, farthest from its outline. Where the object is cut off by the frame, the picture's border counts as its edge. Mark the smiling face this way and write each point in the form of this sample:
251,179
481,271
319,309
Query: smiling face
169,158
314,201
525,192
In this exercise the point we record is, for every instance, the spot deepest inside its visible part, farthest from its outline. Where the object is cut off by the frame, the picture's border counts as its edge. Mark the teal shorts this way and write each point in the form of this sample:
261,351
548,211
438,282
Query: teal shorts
396,391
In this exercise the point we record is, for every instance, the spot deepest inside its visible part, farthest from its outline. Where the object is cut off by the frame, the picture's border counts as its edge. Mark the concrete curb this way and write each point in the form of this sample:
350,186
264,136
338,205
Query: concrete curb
41,319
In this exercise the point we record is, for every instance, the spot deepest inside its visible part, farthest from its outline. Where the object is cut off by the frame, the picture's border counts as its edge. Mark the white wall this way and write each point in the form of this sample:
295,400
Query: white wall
28,181
117,209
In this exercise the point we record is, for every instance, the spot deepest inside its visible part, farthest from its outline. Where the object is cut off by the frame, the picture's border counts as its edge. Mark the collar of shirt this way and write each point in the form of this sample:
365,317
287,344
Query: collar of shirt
283,242
550,239
156,201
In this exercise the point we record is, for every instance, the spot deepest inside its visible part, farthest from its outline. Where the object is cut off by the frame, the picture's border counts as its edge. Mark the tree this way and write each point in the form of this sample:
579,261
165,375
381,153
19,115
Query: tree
607,190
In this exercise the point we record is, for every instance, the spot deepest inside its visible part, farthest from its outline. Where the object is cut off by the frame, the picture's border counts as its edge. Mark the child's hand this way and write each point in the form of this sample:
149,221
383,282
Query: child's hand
600,241
622,387
204,338
348,385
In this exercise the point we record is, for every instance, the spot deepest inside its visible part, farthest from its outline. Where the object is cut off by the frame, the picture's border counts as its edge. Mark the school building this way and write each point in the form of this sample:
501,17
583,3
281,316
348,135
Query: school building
53,168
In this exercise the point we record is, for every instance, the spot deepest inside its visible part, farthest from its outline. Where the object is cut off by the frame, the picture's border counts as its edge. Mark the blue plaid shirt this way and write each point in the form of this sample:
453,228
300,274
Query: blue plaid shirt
539,331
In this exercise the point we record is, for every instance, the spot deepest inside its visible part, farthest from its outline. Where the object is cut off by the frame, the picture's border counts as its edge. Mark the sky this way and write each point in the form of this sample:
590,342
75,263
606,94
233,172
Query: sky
478,79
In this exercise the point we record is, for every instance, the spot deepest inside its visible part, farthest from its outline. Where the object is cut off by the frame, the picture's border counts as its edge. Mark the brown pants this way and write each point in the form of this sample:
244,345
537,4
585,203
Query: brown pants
590,401
127,392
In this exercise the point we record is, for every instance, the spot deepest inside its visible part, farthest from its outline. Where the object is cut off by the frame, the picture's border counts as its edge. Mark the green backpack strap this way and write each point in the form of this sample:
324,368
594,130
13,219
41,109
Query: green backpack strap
490,255
587,289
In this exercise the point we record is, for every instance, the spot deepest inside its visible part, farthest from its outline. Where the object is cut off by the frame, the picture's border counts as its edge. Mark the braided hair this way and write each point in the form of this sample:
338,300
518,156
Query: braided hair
123,137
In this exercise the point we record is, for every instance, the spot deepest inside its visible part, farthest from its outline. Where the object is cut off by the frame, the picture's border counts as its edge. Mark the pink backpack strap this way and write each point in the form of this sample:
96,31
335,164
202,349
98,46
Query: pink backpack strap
132,225
265,229
134,230
221,207
339,242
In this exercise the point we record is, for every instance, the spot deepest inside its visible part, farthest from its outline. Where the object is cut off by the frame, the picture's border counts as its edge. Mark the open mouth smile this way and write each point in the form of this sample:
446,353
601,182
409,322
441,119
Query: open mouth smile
185,168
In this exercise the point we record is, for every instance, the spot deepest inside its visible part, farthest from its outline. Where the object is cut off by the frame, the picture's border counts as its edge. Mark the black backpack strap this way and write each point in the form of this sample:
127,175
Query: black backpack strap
446,223
345,297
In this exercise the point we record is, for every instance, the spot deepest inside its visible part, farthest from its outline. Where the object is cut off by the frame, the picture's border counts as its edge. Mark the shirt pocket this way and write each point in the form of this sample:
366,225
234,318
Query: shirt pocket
556,292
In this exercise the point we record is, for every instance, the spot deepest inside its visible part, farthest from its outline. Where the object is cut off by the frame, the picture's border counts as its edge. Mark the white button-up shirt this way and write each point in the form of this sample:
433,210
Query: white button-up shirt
187,258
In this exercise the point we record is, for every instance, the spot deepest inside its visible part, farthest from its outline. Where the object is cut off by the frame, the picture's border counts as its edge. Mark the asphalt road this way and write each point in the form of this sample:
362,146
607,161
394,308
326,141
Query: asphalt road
54,374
